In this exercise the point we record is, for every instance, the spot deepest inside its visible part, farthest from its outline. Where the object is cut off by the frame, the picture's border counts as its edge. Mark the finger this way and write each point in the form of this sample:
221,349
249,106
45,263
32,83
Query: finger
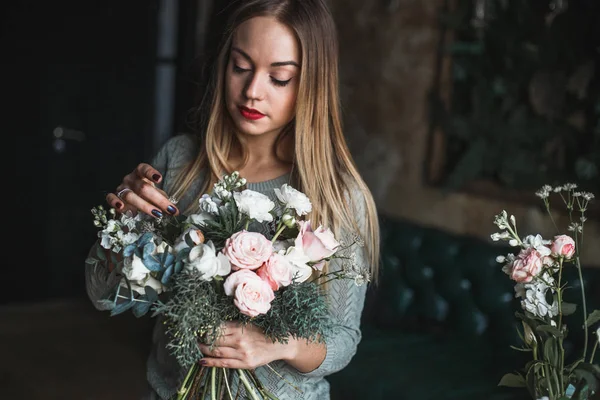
224,363
147,171
219,352
132,200
120,207
153,197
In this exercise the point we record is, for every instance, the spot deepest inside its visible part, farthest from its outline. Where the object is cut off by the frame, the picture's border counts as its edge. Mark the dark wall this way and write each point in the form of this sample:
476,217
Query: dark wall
87,67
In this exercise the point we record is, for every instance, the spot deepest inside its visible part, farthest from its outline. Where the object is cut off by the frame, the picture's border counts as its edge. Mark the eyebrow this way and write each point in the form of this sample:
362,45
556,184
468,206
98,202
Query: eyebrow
275,64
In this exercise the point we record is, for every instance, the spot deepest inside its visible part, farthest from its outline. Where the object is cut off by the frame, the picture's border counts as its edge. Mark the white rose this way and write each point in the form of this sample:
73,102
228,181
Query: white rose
301,271
293,198
255,205
205,260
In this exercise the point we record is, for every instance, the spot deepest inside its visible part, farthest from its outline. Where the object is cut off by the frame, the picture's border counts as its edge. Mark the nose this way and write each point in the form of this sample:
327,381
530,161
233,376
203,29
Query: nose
254,88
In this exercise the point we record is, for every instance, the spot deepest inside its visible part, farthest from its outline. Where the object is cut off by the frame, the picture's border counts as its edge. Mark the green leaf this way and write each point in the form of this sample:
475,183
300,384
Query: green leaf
552,330
568,308
550,351
512,380
593,318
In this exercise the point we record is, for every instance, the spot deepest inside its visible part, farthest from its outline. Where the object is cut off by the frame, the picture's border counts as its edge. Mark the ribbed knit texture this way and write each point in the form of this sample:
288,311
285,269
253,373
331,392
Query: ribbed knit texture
346,301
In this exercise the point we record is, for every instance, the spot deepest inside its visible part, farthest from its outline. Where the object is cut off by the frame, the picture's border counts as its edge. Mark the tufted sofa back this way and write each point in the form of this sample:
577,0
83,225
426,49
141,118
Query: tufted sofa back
435,281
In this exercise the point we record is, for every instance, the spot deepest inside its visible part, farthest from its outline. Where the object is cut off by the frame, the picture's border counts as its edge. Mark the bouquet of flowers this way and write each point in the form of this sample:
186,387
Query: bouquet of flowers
537,269
202,270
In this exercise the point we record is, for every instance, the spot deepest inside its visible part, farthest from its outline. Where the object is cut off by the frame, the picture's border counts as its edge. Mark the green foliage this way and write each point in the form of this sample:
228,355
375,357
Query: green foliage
197,309
519,80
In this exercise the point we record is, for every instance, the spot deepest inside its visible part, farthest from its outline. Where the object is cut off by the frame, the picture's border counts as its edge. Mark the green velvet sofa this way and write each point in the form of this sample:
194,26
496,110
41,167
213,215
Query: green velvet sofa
440,323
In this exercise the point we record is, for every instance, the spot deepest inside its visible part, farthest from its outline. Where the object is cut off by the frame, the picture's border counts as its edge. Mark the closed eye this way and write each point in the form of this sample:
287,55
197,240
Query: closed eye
239,70
277,82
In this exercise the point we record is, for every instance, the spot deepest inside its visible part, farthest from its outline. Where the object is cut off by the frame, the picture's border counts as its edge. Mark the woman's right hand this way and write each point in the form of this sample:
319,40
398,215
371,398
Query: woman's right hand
137,192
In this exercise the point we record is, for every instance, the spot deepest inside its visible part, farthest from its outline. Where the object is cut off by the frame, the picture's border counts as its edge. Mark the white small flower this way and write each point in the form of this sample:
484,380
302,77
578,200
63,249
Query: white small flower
204,259
500,259
538,243
500,236
208,204
255,205
221,192
570,186
587,196
513,242
293,198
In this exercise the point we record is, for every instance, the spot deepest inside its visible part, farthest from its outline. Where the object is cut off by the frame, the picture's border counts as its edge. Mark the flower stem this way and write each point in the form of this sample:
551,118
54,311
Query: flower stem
213,388
585,327
560,339
184,388
246,383
279,230
594,351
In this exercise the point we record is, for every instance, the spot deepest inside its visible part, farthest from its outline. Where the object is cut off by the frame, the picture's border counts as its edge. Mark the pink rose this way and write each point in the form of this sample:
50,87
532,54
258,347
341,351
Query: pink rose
251,295
527,264
318,244
247,250
563,245
277,271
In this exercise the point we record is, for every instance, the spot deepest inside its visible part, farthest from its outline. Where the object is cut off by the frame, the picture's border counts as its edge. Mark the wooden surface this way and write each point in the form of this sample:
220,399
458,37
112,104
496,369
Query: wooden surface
68,350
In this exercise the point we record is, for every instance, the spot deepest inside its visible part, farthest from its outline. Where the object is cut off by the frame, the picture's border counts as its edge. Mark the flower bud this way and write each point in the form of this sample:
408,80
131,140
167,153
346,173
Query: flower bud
288,220
528,334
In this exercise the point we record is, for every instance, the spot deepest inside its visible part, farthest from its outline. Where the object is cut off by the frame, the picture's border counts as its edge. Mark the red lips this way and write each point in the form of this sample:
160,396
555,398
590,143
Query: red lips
250,113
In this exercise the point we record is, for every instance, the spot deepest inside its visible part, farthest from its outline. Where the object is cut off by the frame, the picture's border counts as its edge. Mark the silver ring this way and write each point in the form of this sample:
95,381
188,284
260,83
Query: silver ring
121,192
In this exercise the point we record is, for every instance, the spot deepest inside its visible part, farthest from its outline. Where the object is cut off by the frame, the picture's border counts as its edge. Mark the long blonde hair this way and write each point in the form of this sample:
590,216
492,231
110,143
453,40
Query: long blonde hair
323,167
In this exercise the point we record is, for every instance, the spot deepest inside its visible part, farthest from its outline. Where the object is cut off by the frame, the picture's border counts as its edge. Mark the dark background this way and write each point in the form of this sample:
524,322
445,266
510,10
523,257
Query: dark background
90,69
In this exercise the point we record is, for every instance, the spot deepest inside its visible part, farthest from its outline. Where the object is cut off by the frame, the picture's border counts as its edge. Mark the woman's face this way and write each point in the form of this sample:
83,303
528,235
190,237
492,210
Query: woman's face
263,72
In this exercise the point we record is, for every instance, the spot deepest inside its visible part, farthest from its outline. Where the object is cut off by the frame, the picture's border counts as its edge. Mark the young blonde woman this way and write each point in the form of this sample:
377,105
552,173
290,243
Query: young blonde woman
273,114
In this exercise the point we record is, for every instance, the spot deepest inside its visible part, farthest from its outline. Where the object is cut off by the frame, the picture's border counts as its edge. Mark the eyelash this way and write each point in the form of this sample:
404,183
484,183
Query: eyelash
274,81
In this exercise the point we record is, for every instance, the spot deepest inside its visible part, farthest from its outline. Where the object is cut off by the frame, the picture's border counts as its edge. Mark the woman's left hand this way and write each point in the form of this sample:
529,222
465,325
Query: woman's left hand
244,347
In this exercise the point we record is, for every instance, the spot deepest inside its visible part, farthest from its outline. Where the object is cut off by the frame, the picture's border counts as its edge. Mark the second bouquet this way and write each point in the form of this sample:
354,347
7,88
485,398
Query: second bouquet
203,270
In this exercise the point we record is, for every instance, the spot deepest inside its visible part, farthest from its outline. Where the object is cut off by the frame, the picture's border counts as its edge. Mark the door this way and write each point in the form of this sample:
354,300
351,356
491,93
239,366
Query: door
78,81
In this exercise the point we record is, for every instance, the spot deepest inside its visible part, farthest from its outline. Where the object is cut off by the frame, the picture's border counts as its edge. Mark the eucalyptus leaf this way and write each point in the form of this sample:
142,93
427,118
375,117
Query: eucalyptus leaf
122,307
141,308
167,275
593,318
568,308
151,294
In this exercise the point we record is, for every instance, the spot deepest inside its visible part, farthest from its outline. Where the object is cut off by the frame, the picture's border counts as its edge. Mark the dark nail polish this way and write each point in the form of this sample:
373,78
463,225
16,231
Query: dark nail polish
202,362
156,177
157,213
118,205
171,209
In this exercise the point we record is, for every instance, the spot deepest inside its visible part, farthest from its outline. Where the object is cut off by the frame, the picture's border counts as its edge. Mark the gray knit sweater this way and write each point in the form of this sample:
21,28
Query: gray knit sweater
346,301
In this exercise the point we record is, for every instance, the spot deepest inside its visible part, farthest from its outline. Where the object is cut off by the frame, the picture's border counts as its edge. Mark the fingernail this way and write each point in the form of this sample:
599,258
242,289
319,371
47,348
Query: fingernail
156,177
202,362
157,213
118,204
171,209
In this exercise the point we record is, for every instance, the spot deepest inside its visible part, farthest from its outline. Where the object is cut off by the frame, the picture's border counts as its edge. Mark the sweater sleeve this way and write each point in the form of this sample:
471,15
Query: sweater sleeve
176,151
346,303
